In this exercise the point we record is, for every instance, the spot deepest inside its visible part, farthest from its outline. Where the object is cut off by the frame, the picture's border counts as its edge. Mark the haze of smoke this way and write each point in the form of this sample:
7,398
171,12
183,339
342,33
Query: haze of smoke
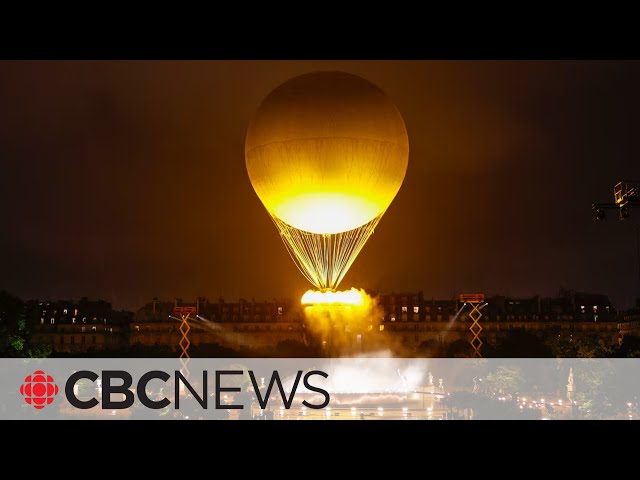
351,330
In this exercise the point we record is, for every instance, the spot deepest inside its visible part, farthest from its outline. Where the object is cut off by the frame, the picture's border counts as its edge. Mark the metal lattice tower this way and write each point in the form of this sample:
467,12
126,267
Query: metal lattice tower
184,313
474,300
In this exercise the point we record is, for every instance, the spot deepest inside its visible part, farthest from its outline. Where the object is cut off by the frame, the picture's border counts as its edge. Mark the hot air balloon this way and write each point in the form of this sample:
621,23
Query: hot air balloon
326,153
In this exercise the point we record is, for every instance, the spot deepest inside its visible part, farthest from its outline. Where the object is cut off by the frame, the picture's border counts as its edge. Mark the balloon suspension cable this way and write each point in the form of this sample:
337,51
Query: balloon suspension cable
324,258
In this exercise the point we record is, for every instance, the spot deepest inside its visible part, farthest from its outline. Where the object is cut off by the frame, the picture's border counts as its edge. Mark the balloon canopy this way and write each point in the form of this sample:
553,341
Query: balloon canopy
327,152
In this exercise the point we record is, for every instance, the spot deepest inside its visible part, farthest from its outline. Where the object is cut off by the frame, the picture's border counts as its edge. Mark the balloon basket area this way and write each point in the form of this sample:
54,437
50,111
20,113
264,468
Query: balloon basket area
333,298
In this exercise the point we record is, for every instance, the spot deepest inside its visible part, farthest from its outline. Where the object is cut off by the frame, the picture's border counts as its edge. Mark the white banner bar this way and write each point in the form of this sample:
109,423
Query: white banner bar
320,389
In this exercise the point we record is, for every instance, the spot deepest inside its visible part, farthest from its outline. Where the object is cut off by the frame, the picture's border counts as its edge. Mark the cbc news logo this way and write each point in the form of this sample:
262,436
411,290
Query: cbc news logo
39,389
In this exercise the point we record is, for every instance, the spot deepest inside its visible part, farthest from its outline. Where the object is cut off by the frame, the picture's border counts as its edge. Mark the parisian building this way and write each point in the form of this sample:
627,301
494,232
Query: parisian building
77,327
241,324
630,323
403,322
411,319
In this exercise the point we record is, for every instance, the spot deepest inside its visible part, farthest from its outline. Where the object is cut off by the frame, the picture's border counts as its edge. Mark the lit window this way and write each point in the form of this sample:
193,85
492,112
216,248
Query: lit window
73,320
595,309
83,328
93,328
416,309
582,308
279,310
381,327
84,319
64,311
53,320
404,309
393,318
75,312
42,321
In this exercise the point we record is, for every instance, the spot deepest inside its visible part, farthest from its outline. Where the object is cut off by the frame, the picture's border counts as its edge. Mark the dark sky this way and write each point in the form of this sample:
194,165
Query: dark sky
126,180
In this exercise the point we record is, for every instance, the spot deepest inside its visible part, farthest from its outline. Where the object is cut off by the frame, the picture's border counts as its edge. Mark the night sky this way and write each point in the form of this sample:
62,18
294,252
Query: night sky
127,180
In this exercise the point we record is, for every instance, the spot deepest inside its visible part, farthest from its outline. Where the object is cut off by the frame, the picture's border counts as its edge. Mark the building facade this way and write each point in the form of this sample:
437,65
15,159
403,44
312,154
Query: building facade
242,324
70,327
630,323
404,323
409,320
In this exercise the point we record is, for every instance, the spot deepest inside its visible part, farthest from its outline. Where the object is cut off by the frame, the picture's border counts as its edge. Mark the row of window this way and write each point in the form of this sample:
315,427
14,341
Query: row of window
402,299
416,309
393,318
406,327
497,318
247,309
416,338
595,309
73,320
497,327
64,312
236,328
93,329
246,318
256,328
72,340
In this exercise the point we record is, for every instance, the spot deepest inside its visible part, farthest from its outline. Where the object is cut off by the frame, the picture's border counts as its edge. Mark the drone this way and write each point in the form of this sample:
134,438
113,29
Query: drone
626,195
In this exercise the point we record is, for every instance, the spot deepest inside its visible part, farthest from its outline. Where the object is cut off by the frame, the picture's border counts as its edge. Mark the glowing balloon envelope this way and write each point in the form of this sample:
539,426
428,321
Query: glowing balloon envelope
326,154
